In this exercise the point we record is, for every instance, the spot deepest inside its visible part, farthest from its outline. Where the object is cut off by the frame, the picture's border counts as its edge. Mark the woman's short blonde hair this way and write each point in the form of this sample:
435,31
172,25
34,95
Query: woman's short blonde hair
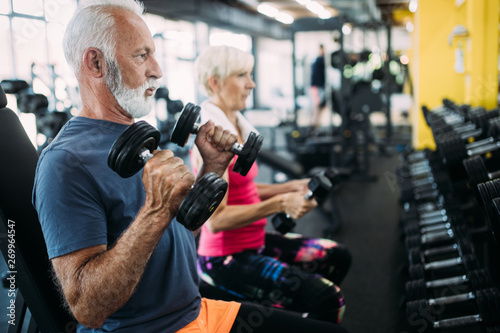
220,61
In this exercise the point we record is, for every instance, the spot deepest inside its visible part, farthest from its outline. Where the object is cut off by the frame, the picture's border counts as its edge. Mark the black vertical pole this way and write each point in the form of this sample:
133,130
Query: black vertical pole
294,90
388,87
255,53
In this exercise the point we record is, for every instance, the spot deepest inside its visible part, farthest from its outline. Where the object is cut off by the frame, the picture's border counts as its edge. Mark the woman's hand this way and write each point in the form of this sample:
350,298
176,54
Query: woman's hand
299,185
296,205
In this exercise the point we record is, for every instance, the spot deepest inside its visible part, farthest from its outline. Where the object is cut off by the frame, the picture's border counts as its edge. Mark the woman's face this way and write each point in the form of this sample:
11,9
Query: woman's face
235,89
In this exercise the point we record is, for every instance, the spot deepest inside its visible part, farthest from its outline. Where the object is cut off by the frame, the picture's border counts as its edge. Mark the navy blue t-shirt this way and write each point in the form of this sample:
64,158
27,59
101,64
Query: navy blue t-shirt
81,202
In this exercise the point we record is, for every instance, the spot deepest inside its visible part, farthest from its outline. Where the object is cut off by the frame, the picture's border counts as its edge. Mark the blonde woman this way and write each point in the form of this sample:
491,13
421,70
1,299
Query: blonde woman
235,253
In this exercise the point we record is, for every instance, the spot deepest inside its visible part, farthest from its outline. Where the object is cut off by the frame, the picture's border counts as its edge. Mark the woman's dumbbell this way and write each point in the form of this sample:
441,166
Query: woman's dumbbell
186,125
134,148
319,186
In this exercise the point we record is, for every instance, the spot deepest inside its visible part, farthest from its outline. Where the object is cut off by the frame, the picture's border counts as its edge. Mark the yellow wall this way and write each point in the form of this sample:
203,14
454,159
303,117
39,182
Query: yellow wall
434,57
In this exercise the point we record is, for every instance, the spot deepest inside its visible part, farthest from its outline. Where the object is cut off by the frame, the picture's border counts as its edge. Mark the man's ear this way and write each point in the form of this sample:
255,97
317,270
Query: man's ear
93,62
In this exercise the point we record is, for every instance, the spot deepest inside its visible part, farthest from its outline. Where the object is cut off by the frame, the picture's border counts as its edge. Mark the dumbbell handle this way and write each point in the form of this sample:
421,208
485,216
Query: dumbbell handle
439,212
309,195
440,250
432,220
494,174
479,143
235,148
465,128
452,299
145,155
443,263
458,322
472,133
435,228
437,236
483,149
451,281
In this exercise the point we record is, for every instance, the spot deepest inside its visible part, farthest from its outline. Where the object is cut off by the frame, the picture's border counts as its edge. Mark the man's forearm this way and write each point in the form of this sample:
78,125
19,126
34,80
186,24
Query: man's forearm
105,281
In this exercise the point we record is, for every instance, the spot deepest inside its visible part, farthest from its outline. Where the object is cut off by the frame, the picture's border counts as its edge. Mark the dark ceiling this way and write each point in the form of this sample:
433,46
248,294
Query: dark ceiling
242,15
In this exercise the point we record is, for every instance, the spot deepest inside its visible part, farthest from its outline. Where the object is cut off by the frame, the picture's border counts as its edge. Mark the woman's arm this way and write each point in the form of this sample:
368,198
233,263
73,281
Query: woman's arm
229,217
267,191
288,198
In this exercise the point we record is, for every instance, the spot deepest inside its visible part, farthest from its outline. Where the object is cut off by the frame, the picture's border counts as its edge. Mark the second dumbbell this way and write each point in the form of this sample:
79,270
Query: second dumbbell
186,125
319,186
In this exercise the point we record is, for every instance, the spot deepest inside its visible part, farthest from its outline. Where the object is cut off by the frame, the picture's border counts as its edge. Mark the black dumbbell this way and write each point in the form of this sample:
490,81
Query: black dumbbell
431,227
417,211
475,126
477,172
490,192
134,148
452,230
319,186
186,125
470,281
453,151
461,247
444,268
431,314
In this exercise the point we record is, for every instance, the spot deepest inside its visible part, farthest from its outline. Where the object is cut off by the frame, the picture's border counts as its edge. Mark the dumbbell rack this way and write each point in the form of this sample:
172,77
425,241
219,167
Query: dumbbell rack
450,223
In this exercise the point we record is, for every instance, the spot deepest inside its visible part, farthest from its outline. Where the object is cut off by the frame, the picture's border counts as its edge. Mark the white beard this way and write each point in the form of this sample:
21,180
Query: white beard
133,101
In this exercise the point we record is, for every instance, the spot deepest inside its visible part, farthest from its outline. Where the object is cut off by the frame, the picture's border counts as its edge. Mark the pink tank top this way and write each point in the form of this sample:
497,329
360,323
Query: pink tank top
241,191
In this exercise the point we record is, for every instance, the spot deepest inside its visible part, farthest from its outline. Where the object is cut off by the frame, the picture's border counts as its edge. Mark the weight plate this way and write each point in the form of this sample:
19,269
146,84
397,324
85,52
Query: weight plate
488,192
415,290
185,124
488,305
494,306
418,311
495,222
412,229
479,279
128,162
123,156
465,246
416,272
485,119
413,241
476,171
420,289
494,128
282,223
248,154
415,256
202,201
320,186
470,262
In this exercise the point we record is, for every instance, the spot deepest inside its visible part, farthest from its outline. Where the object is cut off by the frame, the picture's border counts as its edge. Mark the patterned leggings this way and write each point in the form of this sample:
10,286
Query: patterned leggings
292,272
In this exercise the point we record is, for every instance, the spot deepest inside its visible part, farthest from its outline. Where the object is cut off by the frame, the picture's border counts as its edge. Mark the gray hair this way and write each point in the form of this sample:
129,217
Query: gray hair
92,25
220,61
